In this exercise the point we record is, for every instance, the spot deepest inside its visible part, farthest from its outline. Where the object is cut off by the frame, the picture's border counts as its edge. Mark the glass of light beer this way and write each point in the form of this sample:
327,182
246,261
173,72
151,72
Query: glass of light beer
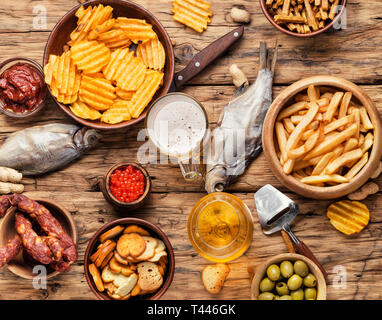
177,125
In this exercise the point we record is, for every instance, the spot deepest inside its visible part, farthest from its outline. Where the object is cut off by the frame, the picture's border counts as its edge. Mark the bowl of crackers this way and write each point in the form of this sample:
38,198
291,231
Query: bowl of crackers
129,258
304,18
105,61
320,137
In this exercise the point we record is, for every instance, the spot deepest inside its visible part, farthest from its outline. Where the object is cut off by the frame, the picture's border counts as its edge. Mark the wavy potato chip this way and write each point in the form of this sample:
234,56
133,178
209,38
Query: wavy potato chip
115,38
138,31
119,112
97,93
145,93
90,56
127,70
152,54
82,110
89,19
348,217
192,13
123,94
104,27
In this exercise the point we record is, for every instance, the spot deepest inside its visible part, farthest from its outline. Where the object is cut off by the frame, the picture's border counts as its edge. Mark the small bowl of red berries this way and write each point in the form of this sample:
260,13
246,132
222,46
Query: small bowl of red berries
126,185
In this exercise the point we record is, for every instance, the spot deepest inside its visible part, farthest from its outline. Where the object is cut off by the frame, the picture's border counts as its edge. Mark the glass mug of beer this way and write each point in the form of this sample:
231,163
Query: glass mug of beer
177,125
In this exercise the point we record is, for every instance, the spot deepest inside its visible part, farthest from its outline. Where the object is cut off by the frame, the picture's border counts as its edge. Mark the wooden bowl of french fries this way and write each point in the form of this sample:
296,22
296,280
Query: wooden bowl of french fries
105,61
320,137
303,18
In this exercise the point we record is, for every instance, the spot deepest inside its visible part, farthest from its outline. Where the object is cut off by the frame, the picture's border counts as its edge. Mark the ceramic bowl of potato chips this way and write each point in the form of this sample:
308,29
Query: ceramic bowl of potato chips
106,61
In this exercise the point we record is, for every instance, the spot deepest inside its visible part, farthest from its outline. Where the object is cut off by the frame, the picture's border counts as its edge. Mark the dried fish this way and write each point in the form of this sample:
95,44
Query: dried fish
237,138
42,149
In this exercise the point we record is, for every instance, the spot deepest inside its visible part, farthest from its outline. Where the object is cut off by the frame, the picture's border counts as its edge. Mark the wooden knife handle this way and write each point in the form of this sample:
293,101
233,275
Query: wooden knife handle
288,242
205,57
303,249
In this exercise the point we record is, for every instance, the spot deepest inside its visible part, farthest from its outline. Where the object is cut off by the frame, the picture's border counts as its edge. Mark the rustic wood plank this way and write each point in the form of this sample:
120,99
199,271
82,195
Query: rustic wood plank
338,54
360,255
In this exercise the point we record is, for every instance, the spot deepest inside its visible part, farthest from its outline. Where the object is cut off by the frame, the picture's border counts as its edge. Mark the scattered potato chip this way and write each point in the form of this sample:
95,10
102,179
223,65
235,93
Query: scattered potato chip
348,216
126,69
89,19
82,110
98,93
152,54
145,92
90,56
139,31
118,113
192,13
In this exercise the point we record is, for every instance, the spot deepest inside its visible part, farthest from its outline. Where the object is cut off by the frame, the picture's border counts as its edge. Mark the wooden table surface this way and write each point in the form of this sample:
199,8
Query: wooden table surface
352,53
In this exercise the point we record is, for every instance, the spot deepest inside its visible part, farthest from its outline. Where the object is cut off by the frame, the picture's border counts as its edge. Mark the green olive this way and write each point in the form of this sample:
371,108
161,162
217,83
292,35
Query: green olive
286,297
310,293
301,268
286,268
282,288
267,296
297,294
276,297
266,285
273,272
294,282
310,281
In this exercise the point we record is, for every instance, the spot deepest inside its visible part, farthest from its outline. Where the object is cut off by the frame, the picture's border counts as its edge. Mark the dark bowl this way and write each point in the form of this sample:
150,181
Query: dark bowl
5,65
154,231
19,266
304,35
121,8
105,188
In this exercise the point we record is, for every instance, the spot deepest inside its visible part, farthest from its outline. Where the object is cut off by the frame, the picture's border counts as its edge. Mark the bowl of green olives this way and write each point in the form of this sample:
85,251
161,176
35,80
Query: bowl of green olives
288,276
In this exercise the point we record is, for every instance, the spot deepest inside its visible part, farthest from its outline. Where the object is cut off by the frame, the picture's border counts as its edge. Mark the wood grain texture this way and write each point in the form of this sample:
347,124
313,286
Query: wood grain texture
352,54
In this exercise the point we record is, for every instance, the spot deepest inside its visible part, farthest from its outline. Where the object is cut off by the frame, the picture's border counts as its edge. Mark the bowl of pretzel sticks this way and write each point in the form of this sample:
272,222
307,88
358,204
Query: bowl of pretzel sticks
303,18
320,137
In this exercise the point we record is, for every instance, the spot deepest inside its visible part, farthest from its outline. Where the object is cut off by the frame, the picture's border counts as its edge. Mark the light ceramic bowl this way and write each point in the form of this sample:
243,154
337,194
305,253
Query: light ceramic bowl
269,140
261,273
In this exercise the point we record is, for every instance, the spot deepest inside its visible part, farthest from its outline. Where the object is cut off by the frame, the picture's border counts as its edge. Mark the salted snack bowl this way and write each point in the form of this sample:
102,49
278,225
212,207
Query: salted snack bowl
129,258
321,137
303,19
126,185
288,276
69,33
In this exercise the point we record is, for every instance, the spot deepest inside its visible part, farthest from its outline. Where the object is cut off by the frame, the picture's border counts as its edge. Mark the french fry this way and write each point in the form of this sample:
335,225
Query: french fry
300,151
345,158
283,19
324,179
281,136
331,143
351,144
365,119
345,104
310,16
333,9
307,134
295,136
288,166
334,103
337,124
357,167
287,112
321,165
289,126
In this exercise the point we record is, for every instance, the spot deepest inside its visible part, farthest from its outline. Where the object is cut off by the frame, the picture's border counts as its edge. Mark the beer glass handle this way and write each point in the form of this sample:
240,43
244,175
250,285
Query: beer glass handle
191,171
